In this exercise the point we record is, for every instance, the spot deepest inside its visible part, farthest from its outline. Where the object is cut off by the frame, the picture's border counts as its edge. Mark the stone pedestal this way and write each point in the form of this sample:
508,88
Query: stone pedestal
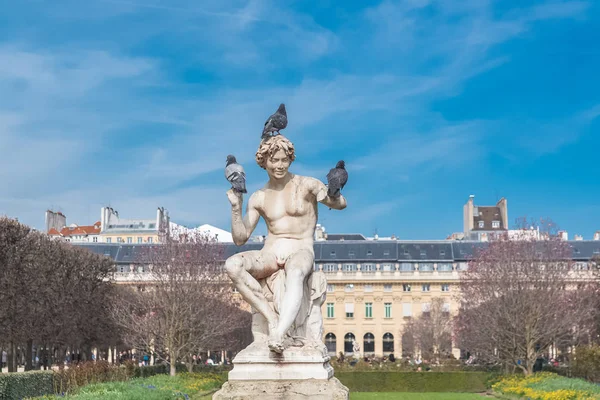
313,389
297,373
256,362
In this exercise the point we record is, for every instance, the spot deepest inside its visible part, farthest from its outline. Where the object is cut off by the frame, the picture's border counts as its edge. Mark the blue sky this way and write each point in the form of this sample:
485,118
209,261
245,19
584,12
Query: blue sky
137,103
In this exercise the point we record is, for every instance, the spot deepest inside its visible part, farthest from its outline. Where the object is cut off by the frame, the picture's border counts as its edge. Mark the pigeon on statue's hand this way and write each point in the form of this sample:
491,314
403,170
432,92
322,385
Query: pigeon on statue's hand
235,174
275,122
336,179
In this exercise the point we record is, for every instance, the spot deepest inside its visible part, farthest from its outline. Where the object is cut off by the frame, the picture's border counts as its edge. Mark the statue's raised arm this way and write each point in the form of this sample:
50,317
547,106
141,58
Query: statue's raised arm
320,191
243,226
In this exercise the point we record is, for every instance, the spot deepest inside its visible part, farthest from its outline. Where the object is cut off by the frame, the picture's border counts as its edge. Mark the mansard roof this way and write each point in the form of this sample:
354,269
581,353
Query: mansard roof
362,251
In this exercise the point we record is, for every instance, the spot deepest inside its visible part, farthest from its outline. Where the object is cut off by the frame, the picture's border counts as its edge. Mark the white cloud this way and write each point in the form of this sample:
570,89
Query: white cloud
68,111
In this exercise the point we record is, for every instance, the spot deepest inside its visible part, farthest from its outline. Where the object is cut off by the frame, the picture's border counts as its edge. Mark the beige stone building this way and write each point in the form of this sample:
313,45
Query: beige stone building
116,229
375,287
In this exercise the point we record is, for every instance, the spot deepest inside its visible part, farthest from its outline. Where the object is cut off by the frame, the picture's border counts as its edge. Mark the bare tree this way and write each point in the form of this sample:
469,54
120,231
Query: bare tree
188,304
431,332
14,249
55,295
520,296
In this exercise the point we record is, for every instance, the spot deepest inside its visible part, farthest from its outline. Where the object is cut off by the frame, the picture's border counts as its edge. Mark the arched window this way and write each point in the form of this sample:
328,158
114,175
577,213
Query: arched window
369,343
388,343
348,339
330,342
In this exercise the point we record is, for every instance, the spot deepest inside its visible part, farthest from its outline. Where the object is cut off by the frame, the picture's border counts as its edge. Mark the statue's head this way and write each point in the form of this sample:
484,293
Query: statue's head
275,155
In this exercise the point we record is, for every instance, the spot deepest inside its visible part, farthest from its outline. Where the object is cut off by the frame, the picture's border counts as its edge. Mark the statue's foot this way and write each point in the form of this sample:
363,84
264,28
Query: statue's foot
275,343
276,347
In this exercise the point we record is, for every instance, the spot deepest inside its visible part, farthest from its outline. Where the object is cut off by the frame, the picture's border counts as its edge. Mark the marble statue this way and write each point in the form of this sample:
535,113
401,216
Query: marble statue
355,349
287,359
278,281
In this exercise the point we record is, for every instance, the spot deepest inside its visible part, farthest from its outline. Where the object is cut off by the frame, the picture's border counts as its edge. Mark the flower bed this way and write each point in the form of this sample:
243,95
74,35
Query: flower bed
546,386
184,386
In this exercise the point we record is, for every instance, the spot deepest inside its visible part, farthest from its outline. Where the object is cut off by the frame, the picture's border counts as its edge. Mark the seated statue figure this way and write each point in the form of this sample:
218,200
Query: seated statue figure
278,281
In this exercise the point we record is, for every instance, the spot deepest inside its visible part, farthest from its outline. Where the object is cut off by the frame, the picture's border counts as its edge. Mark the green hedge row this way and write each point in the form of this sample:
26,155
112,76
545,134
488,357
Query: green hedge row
143,372
473,382
16,386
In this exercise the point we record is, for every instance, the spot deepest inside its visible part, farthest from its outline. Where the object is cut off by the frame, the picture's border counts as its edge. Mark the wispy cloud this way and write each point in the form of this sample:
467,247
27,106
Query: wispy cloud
142,114
546,137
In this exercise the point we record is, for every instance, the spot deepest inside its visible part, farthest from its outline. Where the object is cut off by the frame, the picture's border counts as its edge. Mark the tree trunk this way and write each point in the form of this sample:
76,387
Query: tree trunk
88,353
47,363
11,358
50,358
172,369
29,355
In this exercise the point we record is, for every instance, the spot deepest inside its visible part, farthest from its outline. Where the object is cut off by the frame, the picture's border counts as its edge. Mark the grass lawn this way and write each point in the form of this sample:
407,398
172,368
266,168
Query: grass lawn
415,396
202,386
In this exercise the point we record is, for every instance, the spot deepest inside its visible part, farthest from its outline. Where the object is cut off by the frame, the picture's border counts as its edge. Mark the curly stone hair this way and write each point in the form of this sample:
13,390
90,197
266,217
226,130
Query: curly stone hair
272,145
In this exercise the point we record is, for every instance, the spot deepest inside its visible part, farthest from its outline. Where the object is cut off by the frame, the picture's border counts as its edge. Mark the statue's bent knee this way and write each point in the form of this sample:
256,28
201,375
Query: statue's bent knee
233,266
295,274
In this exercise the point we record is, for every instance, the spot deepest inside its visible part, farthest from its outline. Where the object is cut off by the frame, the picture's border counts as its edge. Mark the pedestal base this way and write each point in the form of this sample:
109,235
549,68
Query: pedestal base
331,389
257,363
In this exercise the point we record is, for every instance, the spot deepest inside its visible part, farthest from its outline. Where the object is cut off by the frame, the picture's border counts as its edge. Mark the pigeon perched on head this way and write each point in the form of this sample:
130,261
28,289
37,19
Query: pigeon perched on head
235,174
336,179
275,122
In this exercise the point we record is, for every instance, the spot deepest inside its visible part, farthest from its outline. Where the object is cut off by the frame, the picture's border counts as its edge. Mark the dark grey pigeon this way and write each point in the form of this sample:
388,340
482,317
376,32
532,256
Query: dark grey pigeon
235,174
336,179
276,122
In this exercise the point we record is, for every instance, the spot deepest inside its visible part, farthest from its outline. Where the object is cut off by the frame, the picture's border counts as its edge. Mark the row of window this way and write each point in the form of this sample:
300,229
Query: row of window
132,268
386,252
387,309
403,267
130,240
495,224
387,287
368,343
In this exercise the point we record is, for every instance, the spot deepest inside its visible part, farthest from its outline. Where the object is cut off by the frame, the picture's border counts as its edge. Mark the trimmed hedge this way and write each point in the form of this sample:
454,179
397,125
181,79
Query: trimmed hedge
19,385
472,382
150,370
159,369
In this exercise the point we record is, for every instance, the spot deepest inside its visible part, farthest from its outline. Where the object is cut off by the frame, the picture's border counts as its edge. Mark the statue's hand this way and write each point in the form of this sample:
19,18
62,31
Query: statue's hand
235,198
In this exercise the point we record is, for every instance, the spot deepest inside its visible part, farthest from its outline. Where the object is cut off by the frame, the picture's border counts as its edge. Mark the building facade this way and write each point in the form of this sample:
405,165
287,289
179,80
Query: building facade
115,229
374,287
56,227
484,222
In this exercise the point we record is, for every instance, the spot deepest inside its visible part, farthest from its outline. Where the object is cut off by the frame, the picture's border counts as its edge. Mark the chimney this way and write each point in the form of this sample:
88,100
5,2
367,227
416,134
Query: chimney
56,220
597,235
376,237
468,210
319,232
578,237
159,218
104,217
563,235
503,206
108,216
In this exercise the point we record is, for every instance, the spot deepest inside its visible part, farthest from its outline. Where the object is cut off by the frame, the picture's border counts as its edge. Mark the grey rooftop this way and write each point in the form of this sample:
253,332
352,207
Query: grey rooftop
356,250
